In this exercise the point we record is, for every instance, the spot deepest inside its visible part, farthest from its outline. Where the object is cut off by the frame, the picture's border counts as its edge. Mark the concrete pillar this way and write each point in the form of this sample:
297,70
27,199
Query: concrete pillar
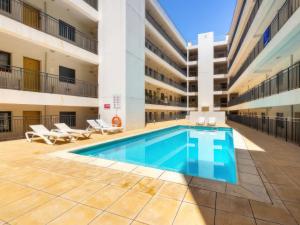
122,61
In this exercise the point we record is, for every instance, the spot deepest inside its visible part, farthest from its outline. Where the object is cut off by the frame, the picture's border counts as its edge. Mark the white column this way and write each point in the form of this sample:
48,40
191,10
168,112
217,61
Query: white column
205,70
122,60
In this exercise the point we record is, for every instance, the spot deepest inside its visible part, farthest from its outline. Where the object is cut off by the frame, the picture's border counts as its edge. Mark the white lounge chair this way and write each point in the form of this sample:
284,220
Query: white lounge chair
50,137
106,127
201,121
211,121
65,128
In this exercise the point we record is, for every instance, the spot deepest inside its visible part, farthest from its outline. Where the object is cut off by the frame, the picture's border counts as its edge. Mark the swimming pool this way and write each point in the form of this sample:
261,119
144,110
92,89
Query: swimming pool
197,151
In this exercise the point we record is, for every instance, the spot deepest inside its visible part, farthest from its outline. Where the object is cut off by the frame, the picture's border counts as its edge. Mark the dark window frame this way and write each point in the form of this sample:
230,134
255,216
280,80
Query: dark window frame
9,129
5,5
68,118
7,66
64,78
67,31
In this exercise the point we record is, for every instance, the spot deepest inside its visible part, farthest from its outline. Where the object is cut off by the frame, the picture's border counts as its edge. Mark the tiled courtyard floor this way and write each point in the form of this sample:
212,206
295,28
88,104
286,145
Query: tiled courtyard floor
36,188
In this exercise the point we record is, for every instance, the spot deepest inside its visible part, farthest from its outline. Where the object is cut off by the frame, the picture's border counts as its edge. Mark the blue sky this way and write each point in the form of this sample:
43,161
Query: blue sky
198,16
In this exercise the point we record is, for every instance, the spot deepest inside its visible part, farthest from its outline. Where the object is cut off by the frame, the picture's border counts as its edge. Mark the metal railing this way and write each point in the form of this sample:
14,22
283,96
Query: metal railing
161,77
281,127
164,34
166,118
284,13
286,80
237,25
220,87
245,32
93,3
17,78
193,89
14,127
160,54
156,101
193,58
23,13
220,54
220,104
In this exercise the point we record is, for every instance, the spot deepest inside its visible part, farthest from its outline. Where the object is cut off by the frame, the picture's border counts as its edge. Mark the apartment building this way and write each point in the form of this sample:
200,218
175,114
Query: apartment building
207,74
48,63
264,68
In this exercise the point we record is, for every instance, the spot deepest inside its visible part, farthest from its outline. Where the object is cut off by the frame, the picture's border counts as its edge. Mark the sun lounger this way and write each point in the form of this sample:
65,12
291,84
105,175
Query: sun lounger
211,121
65,128
108,128
50,137
201,121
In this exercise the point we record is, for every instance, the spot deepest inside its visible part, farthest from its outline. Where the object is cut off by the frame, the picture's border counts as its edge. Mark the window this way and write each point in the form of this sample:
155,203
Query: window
267,36
66,30
5,122
68,118
66,75
5,5
4,60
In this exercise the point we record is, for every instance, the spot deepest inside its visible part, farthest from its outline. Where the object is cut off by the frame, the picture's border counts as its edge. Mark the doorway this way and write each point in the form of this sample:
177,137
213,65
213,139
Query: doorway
31,118
31,74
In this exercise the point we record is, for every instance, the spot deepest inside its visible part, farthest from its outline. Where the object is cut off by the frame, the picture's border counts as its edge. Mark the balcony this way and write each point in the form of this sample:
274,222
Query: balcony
285,80
245,31
283,15
25,14
161,77
160,54
156,101
220,87
164,34
16,78
93,3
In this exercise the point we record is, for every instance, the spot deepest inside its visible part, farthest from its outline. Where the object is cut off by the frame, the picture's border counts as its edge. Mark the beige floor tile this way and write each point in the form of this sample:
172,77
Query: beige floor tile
80,214
288,193
247,169
262,222
208,184
24,205
44,213
102,162
12,192
175,177
173,190
130,204
226,218
83,191
147,171
294,208
190,214
250,179
109,175
270,213
148,185
201,197
138,223
65,186
159,211
127,181
234,204
126,167
105,197
110,219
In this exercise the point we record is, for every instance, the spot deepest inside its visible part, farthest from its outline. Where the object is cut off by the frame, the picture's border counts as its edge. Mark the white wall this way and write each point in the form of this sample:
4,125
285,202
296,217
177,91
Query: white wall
205,70
122,44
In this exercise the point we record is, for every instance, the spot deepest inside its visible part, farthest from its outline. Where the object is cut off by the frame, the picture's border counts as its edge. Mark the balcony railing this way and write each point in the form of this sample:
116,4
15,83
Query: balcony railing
193,89
166,118
220,104
245,31
161,77
14,127
280,127
165,102
93,3
220,87
160,54
220,55
27,80
284,13
164,34
286,80
23,13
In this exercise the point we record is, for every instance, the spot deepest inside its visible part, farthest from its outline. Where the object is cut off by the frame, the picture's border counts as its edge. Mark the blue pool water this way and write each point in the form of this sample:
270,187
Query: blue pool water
196,151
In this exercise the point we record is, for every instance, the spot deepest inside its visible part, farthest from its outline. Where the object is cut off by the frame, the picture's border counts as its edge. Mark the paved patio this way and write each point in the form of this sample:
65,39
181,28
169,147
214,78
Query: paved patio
38,188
